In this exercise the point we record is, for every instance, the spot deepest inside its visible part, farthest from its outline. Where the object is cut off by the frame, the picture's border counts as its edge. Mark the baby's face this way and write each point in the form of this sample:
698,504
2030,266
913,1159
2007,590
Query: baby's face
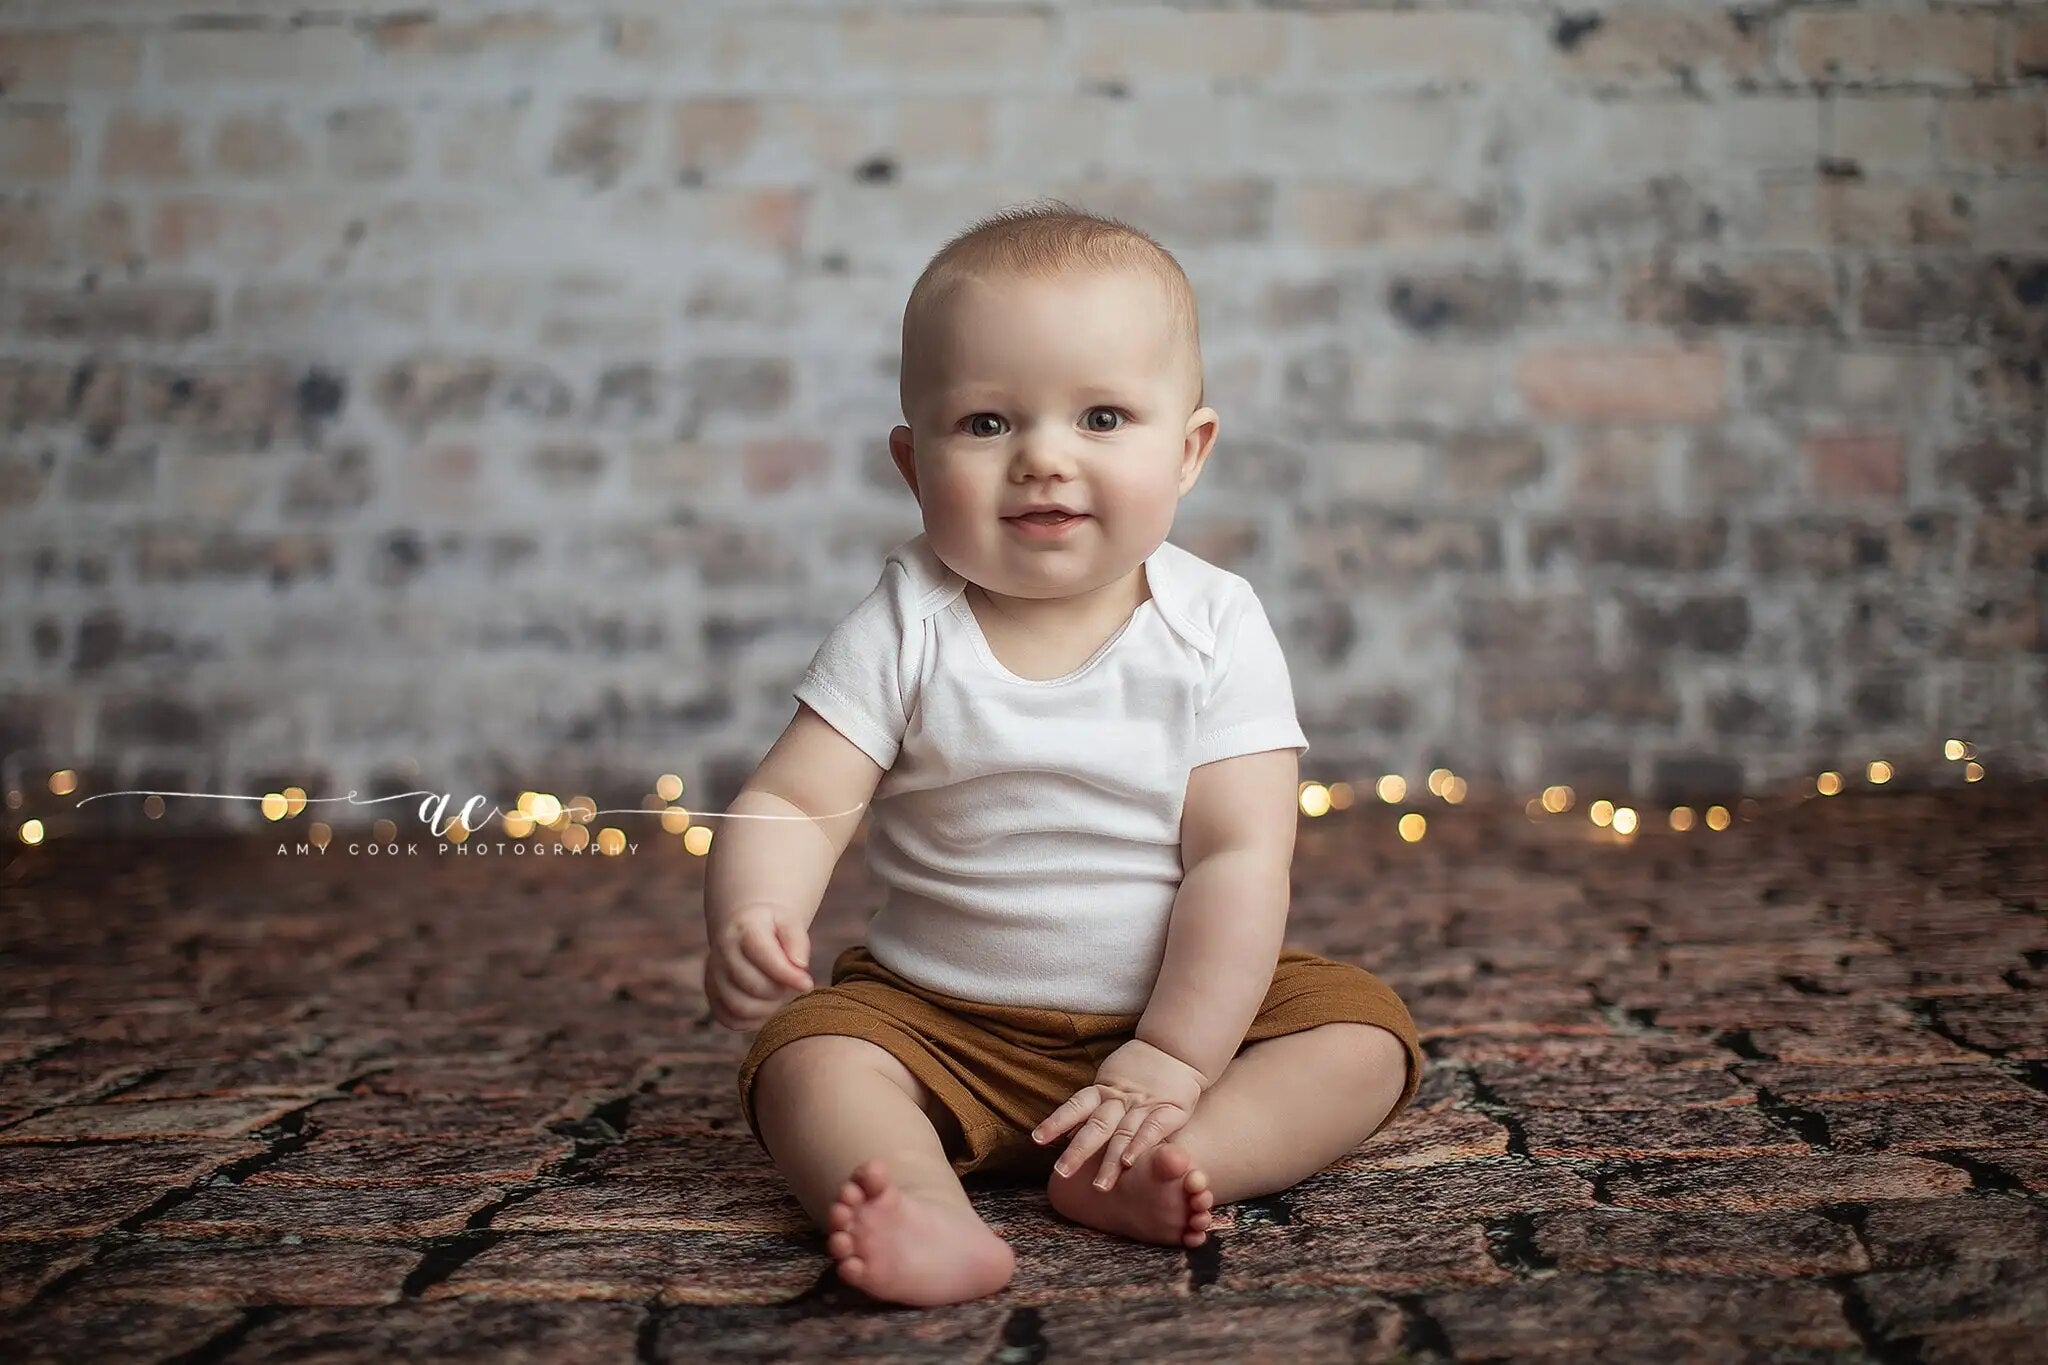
1070,391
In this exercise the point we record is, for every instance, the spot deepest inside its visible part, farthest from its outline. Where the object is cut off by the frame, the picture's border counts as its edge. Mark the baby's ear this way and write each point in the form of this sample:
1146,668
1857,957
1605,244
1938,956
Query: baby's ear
903,453
1203,424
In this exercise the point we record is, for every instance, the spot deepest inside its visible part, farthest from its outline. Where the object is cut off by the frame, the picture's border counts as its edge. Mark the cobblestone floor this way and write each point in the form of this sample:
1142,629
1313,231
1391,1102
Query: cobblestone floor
1769,1094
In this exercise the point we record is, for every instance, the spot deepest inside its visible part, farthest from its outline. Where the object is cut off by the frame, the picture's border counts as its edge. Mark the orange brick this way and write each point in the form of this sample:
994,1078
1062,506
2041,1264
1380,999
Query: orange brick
2030,46
35,64
1855,45
144,147
1653,44
25,235
1855,464
35,144
255,145
715,133
775,465
1597,383
430,37
2002,130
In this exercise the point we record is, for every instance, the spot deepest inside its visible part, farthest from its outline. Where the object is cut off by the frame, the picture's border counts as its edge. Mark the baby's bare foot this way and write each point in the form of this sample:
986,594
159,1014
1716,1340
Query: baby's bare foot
1160,1198
902,1247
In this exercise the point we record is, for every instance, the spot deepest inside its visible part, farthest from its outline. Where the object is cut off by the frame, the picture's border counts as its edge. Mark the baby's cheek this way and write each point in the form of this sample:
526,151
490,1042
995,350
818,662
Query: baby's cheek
957,496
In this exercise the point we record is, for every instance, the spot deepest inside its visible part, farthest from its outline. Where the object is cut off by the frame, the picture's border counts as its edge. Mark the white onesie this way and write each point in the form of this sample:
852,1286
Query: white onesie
1027,833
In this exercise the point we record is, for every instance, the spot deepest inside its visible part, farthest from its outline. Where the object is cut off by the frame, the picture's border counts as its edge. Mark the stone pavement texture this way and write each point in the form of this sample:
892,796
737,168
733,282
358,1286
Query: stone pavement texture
1769,1094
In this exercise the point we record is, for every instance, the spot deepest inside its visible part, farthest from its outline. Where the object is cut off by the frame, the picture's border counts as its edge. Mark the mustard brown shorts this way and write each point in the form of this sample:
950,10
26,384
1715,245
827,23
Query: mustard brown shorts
998,1070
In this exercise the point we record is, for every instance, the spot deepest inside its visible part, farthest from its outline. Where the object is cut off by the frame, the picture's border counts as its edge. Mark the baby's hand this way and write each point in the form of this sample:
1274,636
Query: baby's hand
755,958
1141,1097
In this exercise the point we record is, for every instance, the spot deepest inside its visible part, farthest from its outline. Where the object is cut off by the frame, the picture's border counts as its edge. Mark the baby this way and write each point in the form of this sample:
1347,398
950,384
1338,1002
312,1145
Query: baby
1082,753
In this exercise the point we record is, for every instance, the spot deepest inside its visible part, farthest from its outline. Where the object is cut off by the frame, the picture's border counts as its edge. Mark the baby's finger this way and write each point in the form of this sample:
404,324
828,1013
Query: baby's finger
1065,1117
739,1018
1113,1150
796,946
1093,1133
762,949
1148,1136
741,976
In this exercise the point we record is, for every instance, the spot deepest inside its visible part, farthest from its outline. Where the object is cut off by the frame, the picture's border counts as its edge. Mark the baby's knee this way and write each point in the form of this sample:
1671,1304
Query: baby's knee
828,1058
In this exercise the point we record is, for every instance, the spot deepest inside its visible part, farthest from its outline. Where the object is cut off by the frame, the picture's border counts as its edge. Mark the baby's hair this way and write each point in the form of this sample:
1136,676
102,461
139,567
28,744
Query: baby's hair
1039,241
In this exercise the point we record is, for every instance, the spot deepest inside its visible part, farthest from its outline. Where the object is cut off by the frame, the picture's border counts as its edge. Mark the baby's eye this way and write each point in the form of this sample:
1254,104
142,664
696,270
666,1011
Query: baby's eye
1093,425
974,423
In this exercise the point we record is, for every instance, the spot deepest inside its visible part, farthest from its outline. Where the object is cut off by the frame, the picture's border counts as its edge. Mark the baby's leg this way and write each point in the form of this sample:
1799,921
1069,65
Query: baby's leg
847,1125
1286,1107
1269,1122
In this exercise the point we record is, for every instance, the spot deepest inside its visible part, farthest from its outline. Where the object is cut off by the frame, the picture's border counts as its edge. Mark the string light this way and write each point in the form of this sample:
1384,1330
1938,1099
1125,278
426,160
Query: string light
1316,799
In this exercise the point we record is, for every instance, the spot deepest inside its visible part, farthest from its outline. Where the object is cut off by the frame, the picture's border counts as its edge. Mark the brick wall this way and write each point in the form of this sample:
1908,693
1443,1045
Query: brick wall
490,396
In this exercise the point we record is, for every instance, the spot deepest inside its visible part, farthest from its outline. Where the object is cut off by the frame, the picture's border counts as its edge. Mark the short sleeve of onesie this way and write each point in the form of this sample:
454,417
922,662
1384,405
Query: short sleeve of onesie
855,679
1249,703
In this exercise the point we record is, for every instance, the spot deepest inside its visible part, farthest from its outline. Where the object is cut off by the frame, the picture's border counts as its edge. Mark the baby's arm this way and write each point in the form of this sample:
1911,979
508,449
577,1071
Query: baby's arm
1230,915
813,784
